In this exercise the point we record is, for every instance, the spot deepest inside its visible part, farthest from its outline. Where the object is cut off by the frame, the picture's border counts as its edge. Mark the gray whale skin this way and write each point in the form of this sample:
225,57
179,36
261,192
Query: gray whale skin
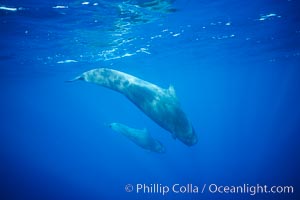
161,105
140,137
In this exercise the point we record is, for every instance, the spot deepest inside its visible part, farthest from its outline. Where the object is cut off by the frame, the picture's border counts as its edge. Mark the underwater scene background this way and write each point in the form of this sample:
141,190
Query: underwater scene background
235,69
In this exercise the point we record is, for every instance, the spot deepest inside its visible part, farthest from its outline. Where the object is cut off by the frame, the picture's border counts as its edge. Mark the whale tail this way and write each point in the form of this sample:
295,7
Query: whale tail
75,79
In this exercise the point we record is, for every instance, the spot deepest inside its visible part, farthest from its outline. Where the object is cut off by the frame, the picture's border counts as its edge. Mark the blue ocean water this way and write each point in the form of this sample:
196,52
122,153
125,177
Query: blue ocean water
234,66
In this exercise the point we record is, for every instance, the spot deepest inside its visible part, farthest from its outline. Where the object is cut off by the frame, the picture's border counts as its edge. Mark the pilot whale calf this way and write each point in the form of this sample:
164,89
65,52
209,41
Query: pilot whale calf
161,105
140,137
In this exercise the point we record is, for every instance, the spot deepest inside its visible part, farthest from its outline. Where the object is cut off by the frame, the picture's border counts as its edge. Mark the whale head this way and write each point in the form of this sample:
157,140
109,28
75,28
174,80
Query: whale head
193,139
158,147
116,127
189,138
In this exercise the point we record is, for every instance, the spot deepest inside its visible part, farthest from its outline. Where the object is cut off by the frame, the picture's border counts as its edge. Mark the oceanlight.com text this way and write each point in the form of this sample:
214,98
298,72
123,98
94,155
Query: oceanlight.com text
250,189
189,188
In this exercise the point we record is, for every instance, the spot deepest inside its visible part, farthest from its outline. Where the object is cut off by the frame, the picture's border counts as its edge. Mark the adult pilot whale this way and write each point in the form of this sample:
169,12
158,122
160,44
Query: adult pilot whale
161,105
141,138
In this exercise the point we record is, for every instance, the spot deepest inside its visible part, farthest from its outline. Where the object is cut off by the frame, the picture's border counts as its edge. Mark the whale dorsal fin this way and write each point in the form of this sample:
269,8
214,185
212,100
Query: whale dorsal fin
142,133
171,91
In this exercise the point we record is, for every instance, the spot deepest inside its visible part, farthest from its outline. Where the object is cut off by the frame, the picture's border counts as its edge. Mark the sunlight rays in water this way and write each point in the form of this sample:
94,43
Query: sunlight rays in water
93,31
